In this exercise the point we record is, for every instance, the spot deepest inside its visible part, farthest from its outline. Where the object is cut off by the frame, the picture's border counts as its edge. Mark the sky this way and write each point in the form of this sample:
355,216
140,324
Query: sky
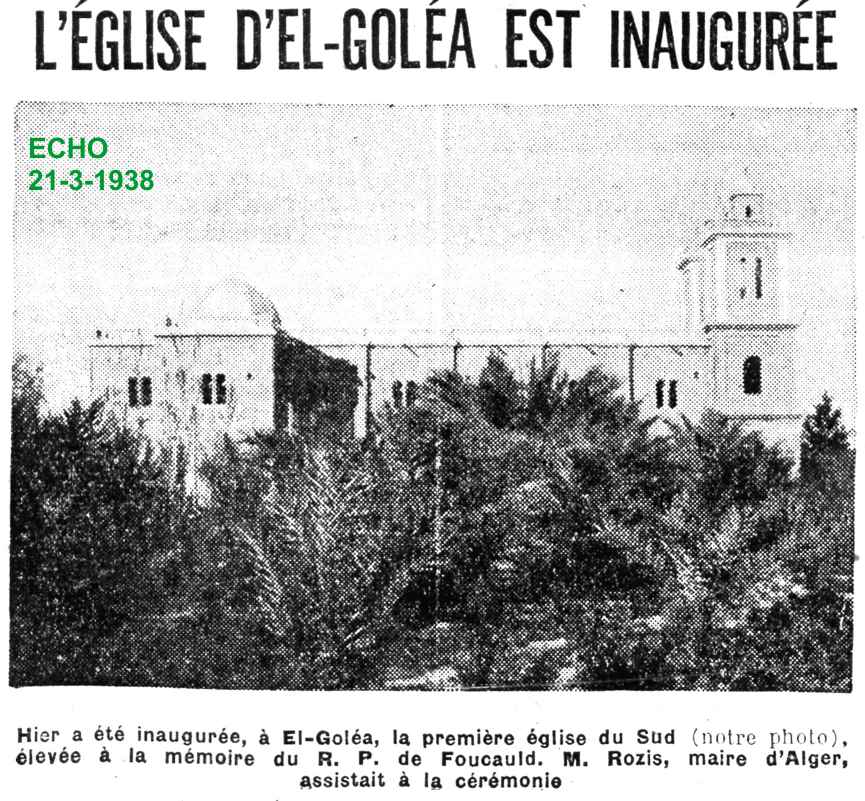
417,221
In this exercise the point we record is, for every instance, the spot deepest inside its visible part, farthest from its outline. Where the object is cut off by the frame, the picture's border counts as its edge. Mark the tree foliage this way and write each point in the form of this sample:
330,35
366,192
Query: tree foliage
826,449
89,512
498,532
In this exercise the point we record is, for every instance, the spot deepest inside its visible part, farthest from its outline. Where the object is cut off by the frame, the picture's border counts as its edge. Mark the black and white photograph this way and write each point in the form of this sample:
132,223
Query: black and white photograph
434,397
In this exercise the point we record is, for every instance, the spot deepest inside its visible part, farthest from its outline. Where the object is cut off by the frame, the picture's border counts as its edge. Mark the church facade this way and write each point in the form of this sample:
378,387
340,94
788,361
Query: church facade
231,369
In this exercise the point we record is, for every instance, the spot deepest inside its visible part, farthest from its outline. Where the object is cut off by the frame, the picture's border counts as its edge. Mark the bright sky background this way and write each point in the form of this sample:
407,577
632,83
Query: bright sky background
417,221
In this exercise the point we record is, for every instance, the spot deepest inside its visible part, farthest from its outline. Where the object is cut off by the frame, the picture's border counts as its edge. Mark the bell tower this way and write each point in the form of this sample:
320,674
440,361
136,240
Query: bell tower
737,280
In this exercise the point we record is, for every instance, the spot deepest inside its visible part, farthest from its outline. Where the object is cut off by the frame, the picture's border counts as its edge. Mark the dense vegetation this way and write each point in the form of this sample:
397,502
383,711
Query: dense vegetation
496,533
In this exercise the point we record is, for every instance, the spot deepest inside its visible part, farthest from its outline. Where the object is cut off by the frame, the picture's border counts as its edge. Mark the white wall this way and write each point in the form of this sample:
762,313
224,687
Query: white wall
112,364
687,366
247,363
776,348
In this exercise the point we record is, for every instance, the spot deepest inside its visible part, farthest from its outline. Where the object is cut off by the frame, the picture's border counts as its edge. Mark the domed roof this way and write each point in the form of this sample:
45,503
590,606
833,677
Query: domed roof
238,302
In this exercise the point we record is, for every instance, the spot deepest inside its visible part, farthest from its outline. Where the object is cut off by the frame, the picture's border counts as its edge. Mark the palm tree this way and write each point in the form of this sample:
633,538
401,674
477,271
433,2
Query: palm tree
328,560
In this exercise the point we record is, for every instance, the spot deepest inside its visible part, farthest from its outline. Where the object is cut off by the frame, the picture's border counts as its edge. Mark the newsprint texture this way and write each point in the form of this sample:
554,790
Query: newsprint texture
412,403
484,397
436,400
487,397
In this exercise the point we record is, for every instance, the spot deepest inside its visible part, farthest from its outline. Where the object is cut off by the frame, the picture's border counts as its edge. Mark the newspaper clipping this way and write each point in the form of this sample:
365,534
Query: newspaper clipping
431,400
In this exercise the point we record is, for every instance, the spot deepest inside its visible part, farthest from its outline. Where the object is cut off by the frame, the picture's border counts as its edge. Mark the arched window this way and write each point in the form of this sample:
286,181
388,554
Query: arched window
659,394
396,391
410,393
674,394
220,388
207,388
758,278
752,379
146,391
133,392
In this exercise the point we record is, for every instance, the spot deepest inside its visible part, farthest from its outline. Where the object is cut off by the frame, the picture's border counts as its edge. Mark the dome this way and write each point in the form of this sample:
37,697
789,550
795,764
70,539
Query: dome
235,301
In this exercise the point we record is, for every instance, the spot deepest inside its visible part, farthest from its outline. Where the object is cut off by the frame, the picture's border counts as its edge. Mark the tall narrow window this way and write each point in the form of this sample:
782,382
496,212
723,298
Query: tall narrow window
752,379
220,388
659,394
133,392
396,390
673,397
758,278
410,393
146,391
207,389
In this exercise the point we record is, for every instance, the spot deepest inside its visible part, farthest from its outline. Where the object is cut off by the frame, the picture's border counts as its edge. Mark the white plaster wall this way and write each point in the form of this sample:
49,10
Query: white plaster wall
612,360
246,361
688,366
391,363
111,367
517,356
777,351
741,277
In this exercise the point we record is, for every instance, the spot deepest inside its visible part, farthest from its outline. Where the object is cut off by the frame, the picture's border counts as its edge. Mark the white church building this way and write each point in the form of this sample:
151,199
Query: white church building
191,382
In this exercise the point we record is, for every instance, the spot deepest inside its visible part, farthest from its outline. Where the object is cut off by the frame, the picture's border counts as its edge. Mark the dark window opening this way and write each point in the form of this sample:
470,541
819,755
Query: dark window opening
748,212
133,392
146,391
758,278
410,393
220,388
673,397
752,379
659,394
396,391
207,389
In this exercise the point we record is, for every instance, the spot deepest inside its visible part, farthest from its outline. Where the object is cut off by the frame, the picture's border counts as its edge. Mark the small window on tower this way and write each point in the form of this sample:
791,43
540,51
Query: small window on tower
207,389
133,392
220,388
146,391
758,278
659,394
396,391
752,379
673,397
